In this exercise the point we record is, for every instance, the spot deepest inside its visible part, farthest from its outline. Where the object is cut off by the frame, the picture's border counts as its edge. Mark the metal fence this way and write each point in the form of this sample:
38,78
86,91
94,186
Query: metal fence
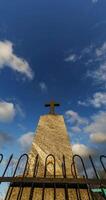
64,182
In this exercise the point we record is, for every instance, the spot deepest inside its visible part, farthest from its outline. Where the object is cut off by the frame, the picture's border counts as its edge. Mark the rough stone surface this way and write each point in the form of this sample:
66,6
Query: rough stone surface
51,138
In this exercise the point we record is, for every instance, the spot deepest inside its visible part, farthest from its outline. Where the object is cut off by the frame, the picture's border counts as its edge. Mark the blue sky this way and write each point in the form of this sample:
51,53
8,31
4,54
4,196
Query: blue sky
53,50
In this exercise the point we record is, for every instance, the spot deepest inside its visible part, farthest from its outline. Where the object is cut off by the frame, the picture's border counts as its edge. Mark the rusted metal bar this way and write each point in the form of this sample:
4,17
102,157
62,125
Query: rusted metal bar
43,191
1,157
95,171
21,188
75,174
45,174
51,181
86,177
64,167
7,165
101,157
10,190
54,163
65,176
34,175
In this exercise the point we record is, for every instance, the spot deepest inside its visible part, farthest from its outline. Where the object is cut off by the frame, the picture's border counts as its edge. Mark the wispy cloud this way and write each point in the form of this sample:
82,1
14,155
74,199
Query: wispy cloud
75,57
9,59
98,123
25,141
21,127
76,129
43,86
19,110
101,51
5,139
94,126
7,111
75,123
71,58
95,1
82,150
83,103
97,127
74,118
94,56
98,100
98,137
98,75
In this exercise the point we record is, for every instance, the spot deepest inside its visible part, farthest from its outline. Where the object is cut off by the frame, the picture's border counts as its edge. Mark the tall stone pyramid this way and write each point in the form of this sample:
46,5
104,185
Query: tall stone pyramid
51,138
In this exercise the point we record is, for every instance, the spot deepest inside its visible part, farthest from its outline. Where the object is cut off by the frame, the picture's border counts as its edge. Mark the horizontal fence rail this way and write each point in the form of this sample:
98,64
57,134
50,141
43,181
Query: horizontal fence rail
94,186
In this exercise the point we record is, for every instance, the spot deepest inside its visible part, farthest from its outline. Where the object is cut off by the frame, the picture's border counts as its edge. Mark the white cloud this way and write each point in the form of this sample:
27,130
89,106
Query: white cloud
71,58
98,138
99,57
99,75
98,124
74,117
95,56
7,111
43,86
25,140
82,103
94,1
101,51
98,100
82,150
8,58
75,129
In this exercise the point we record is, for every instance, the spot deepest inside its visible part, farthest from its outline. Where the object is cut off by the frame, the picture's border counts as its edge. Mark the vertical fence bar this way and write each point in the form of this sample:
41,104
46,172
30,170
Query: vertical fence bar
65,176
45,173
101,157
86,177
95,171
1,158
89,192
5,170
34,175
21,188
75,175
7,165
10,190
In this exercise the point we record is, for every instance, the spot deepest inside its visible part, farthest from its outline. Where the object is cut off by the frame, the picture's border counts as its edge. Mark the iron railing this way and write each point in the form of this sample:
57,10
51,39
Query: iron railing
75,182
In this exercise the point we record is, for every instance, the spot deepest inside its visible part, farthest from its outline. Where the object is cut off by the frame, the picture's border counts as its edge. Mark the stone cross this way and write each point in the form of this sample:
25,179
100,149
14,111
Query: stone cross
52,106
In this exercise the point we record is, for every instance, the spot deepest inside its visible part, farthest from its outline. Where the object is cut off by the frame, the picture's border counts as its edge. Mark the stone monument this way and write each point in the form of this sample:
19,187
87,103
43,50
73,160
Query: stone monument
51,138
